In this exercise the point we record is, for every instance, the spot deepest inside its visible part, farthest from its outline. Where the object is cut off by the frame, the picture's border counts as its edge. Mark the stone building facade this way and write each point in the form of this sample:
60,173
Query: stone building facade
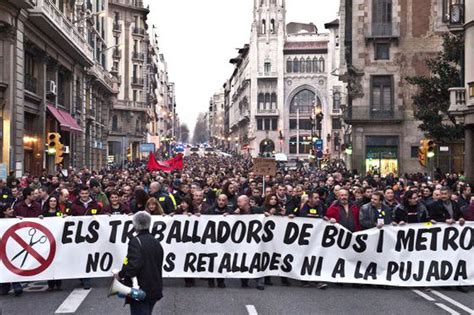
281,81
52,63
382,43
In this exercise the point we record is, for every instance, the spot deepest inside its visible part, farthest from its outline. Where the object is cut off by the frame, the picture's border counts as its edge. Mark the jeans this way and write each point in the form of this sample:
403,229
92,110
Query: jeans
17,287
141,307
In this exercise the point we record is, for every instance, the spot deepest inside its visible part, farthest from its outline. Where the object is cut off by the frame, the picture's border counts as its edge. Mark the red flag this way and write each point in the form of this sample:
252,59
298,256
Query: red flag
175,163
152,164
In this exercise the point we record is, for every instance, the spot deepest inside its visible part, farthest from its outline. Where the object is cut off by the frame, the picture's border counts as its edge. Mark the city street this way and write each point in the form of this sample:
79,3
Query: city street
235,300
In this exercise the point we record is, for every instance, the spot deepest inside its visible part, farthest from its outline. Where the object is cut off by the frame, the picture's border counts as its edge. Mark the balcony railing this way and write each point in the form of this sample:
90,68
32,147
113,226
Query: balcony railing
267,74
138,81
138,31
31,83
138,56
52,21
369,114
384,30
267,111
117,53
457,99
117,27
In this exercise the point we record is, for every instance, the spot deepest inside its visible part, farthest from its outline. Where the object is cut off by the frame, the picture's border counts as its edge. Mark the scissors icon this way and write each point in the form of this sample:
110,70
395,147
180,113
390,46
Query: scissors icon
41,240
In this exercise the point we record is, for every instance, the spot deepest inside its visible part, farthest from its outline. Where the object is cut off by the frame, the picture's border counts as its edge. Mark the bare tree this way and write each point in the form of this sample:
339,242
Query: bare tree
184,133
201,133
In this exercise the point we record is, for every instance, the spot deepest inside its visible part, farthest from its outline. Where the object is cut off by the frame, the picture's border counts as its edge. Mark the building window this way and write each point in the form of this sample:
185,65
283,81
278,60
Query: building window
289,66
382,96
261,101
302,65
382,51
309,67
293,145
296,65
115,123
453,11
267,67
267,123
304,101
336,107
259,124
321,64
263,27
471,89
293,124
30,79
336,123
134,95
414,152
274,124
315,65
272,26
382,17
267,101
274,101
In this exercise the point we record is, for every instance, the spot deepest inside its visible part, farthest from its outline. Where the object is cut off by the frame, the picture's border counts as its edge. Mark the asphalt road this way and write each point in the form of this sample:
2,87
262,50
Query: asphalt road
275,299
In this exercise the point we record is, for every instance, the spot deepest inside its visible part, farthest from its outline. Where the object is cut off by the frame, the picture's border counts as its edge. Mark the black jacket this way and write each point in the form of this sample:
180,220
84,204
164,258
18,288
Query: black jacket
144,261
165,201
439,213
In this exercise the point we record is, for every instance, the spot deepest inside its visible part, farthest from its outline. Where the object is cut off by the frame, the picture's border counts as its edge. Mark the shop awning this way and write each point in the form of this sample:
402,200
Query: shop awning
66,121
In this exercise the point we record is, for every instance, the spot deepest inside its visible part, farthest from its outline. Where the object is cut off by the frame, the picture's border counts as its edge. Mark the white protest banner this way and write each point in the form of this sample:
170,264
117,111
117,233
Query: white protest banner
246,246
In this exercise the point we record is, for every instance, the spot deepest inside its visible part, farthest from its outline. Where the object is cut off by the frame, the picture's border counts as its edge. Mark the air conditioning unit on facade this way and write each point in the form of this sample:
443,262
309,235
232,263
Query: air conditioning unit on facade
51,87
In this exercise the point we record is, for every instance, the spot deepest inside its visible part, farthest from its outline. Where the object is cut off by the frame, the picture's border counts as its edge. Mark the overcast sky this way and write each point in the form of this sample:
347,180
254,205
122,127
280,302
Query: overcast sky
198,37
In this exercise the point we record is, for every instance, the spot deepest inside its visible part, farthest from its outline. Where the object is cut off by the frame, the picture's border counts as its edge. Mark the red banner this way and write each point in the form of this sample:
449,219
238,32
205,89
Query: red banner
175,163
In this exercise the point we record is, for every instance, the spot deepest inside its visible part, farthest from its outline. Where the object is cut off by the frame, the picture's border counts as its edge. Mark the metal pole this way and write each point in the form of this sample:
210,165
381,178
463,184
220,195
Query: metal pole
297,130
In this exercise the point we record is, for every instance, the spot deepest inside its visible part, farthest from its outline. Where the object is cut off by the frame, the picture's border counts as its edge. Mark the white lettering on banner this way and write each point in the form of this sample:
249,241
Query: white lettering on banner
246,246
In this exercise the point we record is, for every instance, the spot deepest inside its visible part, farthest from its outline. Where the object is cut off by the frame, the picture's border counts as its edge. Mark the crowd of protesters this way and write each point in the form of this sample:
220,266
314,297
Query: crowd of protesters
227,186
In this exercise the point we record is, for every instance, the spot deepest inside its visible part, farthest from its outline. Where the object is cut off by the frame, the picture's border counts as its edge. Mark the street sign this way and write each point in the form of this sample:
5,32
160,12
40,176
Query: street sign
443,149
264,167
3,171
147,147
318,144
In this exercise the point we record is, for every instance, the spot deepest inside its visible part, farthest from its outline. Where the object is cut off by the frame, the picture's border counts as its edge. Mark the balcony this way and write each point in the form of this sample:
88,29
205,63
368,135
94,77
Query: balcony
135,4
457,100
117,53
91,114
137,81
269,75
48,18
366,114
131,106
116,27
31,83
267,112
384,31
138,56
104,78
138,31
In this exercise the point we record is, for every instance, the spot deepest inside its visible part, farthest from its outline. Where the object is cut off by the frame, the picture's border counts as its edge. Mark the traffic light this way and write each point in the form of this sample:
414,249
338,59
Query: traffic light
422,150
348,149
55,147
51,142
431,149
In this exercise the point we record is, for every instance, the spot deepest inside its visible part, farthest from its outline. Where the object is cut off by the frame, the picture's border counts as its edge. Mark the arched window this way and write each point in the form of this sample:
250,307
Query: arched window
289,65
309,67
274,101
302,65
304,100
272,26
315,65
267,147
267,101
263,27
114,123
321,64
261,101
296,65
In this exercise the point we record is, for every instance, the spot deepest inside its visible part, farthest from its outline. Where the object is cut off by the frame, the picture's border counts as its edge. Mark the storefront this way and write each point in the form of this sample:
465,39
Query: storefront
382,155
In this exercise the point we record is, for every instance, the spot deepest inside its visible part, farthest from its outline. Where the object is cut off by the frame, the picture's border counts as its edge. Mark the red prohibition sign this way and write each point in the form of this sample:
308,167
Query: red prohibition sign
44,262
